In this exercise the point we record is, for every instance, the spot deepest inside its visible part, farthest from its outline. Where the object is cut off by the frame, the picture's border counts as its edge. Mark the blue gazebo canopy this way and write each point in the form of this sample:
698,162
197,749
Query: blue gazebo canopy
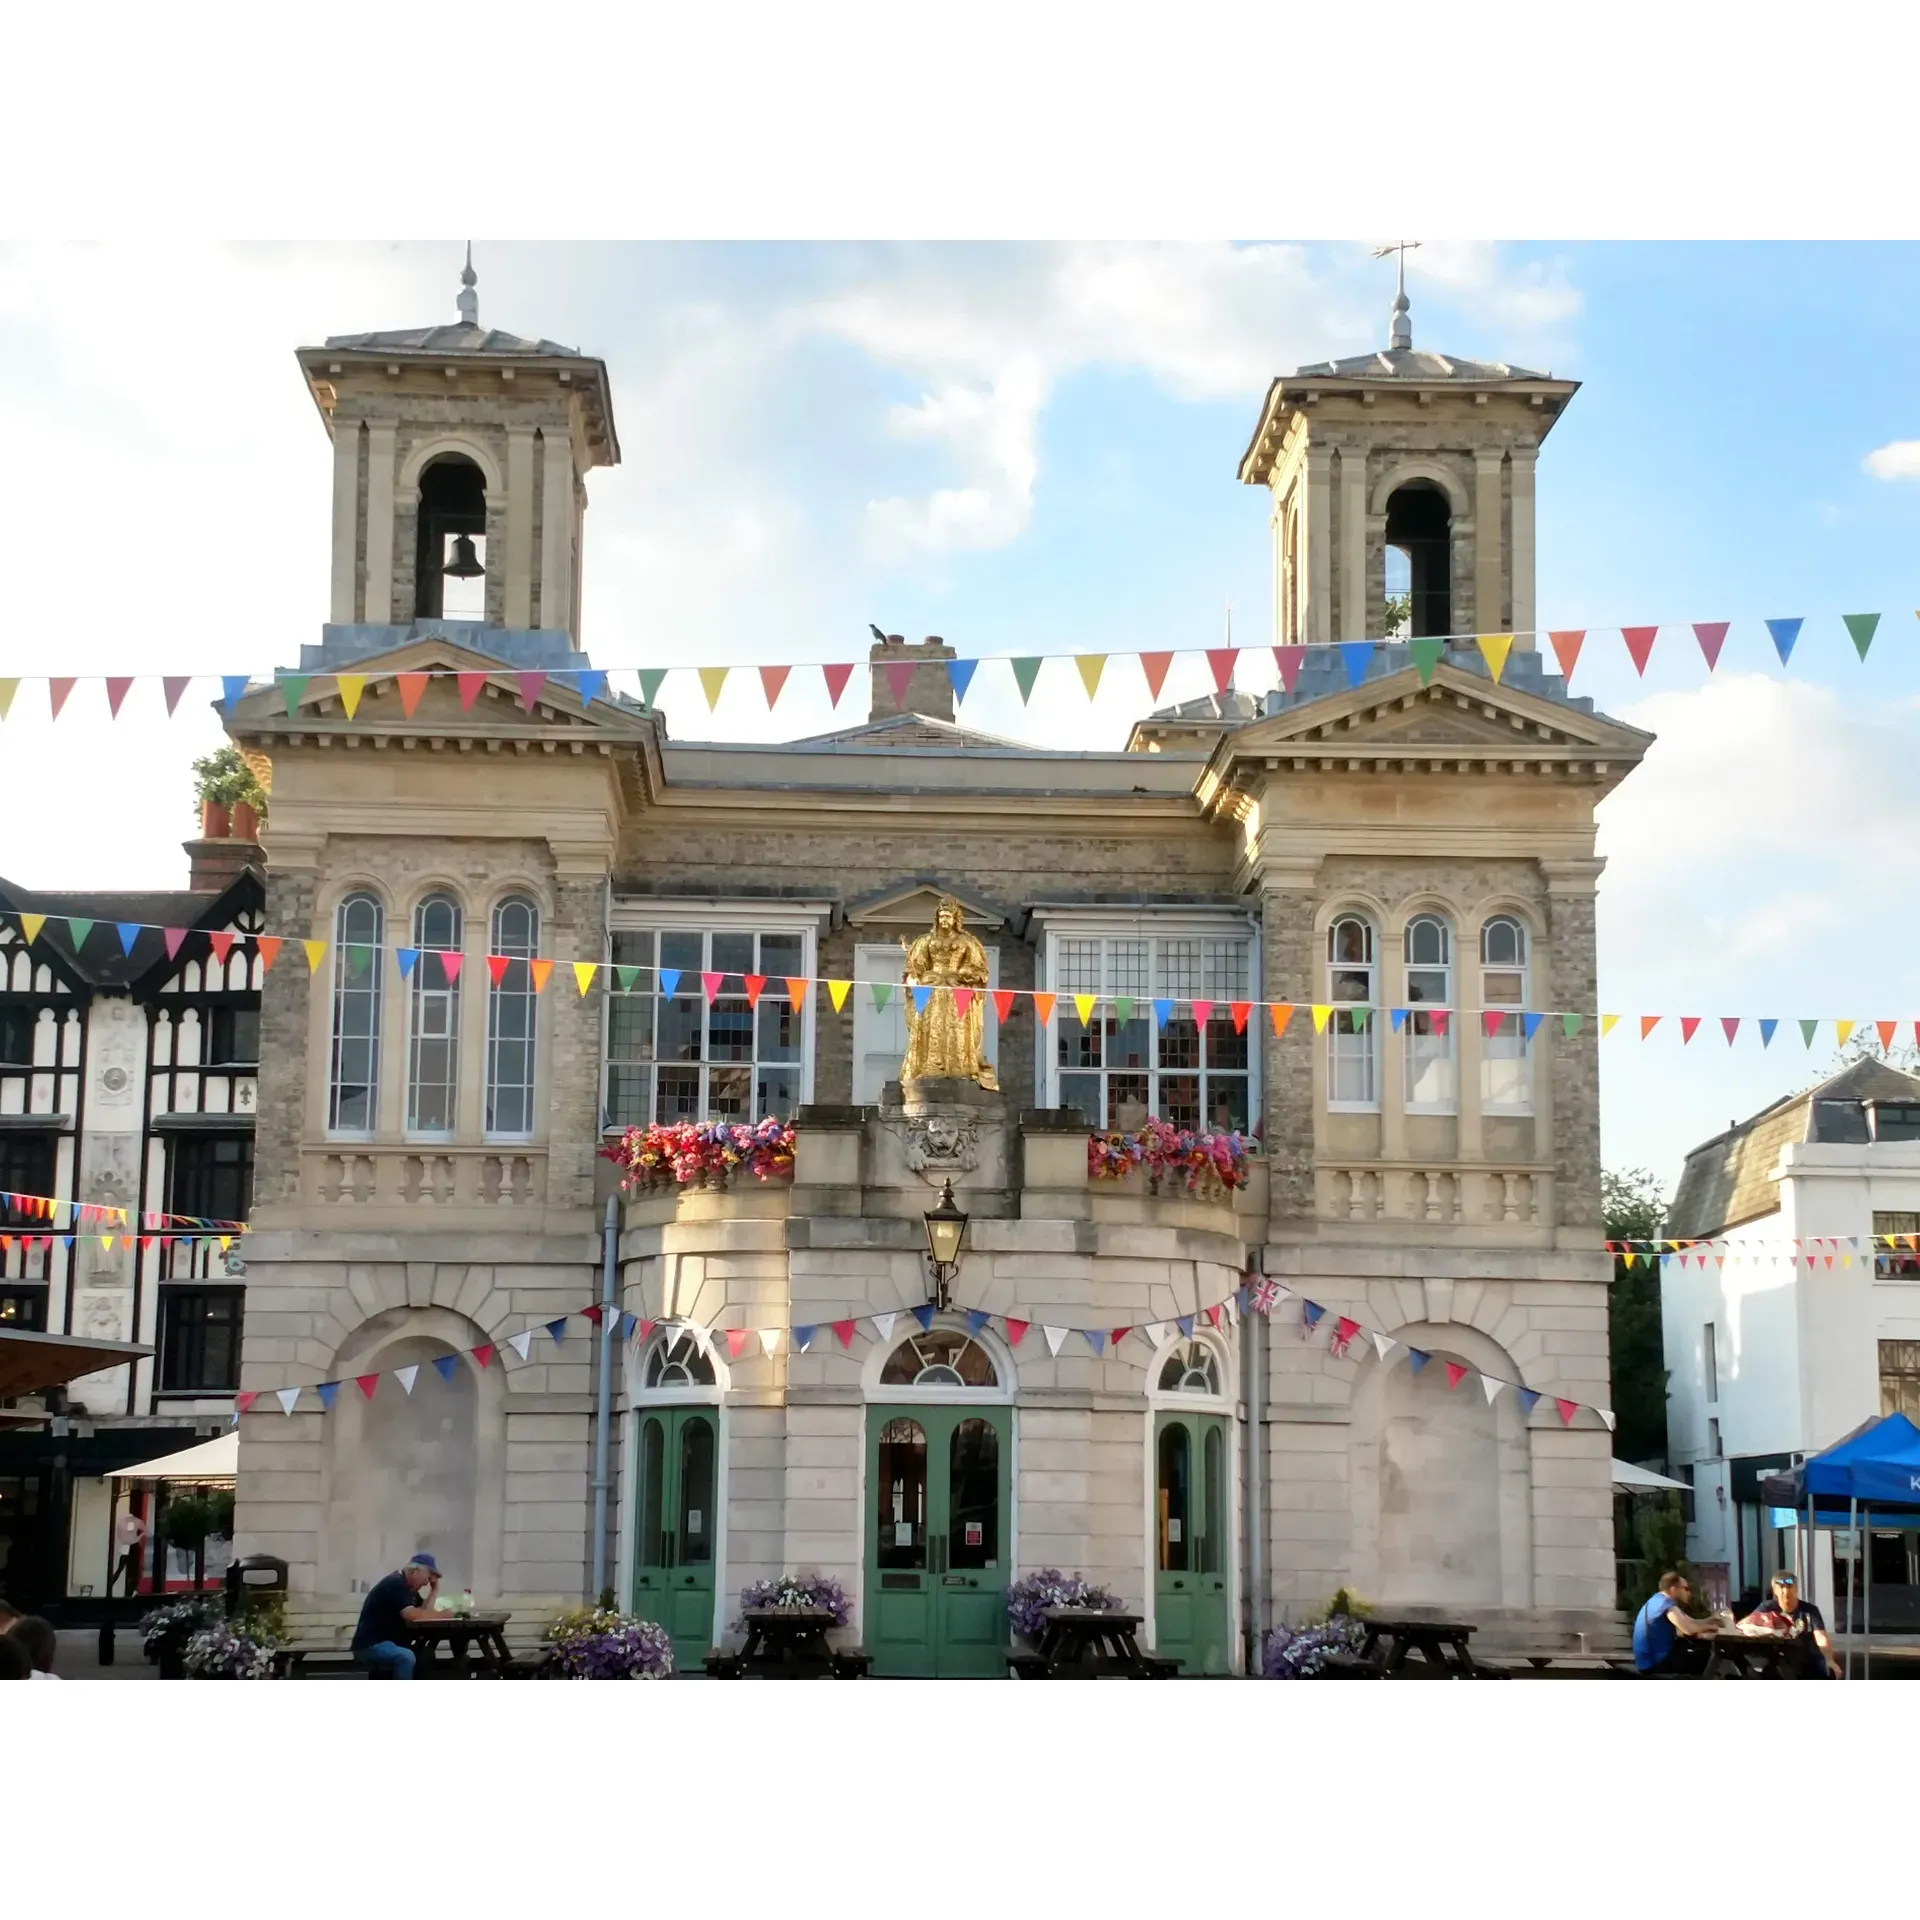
1878,1465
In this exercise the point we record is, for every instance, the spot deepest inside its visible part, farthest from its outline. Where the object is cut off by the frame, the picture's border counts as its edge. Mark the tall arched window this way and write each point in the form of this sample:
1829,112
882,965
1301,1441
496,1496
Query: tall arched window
1429,1048
354,1072
1352,1080
433,1026
1506,1082
511,1009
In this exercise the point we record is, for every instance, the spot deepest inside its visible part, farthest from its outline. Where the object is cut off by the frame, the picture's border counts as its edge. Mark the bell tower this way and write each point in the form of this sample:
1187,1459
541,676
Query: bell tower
460,456
1409,463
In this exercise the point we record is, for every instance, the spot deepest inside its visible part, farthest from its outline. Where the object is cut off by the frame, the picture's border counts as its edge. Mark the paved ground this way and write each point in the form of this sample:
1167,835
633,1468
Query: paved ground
79,1656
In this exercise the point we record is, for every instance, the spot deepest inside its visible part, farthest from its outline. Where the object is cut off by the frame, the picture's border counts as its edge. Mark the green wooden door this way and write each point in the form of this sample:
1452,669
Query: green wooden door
1190,1540
677,1486
938,1510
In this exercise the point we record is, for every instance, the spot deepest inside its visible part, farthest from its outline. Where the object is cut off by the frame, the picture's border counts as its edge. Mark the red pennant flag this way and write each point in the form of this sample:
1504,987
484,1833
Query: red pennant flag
1119,1334
1455,1374
1016,1331
1440,1016
412,686
171,937
755,983
1154,666
1712,635
530,686
366,1382
1241,1008
1344,1330
470,685
146,1240
591,1313
796,992
772,680
843,1332
1202,1012
1002,1004
646,1327
1221,660
57,691
1566,649
713,982
1568,1408
899,673
450,967
483,1353
836,679
222,945
1289,660
1689,1026
1213,1316
173,686
1648,1021
1640,644
497,965
116,692
1490,1023
962,1001
1886,1030
242,1401
736,1340
1730,1025
268,948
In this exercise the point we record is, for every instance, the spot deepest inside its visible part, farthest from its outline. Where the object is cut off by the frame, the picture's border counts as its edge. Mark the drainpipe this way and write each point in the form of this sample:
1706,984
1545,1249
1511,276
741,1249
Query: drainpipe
1251,1328
603,1400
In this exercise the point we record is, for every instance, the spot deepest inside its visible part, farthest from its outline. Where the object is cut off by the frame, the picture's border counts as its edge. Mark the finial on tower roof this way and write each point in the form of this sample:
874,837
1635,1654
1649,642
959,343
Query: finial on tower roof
1400,329
469,301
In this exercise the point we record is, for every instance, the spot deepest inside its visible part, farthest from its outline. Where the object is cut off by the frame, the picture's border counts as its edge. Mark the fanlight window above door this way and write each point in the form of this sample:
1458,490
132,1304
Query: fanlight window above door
1190,1368
677,1361
939,1359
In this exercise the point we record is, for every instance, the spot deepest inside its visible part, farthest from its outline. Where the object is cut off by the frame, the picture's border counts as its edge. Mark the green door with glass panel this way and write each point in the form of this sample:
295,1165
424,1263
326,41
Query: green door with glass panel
1190,1540
937,1541
676,1482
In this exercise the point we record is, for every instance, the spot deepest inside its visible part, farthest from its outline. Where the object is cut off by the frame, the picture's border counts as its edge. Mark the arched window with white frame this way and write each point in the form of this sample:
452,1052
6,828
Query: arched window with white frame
1191,1366
1428,950
1353,1079
433,1016
512,1011
353,1095
1506,1077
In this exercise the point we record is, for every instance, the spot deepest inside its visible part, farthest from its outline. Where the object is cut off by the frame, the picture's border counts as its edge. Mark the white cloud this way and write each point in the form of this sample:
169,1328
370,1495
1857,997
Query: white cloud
1897,460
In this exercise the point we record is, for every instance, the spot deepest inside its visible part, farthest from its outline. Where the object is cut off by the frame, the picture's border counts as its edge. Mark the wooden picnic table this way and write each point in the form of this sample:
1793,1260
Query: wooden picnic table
1088,1643
788,1643
465,1636
1738,1655
1388,1649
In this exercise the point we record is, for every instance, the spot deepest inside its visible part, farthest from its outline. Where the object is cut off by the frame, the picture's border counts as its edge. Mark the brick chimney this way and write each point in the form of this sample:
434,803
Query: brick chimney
227,847
928,690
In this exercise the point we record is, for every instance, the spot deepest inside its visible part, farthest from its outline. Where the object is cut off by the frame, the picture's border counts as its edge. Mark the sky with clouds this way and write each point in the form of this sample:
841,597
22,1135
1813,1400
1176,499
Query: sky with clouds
1033,449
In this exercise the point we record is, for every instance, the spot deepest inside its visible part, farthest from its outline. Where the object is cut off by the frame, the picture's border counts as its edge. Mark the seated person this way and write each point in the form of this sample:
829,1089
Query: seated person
380,1641
1787,1613
1661,1625
37,1641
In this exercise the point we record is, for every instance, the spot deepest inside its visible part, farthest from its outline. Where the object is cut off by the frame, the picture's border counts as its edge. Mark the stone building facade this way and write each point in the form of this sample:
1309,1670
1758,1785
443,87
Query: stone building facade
427,1182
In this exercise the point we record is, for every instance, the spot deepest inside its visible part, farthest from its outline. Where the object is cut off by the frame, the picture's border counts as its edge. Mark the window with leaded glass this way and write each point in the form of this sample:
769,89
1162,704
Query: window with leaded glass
200,1339
1353,1077
433,1016
354,1079
1429,1036
1506,1077
210,1175
512,1013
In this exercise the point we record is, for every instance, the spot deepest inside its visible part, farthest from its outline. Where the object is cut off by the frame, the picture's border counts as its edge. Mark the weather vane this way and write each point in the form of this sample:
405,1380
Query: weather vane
1400,333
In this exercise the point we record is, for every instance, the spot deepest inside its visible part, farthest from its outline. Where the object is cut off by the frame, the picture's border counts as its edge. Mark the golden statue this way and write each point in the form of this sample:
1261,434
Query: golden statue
943,1043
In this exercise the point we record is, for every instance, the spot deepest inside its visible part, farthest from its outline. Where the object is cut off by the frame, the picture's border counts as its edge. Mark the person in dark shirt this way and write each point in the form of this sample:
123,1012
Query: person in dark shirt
380,1641
1786,1612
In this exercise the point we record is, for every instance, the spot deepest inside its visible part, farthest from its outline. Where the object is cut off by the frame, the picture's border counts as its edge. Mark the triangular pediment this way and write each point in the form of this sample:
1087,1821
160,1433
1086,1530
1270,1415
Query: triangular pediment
912,904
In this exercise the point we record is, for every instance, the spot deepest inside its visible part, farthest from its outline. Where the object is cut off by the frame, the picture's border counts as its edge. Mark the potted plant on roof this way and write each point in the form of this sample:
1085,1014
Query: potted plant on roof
232,800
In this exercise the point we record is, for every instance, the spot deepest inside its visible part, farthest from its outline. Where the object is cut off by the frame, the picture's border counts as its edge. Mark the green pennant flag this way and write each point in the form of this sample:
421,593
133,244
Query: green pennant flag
1426,656
77,932
1806,1030
293,685
1026,672
1570,1024
650,679
1123,1008
357,959
626,976
1360,1016
1860,627
881,993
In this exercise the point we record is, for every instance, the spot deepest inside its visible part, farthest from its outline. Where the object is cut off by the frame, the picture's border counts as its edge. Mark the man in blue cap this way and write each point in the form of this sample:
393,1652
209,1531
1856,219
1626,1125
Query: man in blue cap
380,1640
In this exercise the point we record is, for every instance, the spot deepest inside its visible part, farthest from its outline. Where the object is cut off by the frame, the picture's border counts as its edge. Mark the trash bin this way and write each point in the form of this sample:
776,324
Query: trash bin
257,1573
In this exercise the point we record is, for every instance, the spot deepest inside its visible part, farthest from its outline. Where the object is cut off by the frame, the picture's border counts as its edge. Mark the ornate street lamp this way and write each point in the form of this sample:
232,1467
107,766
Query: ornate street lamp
946,1229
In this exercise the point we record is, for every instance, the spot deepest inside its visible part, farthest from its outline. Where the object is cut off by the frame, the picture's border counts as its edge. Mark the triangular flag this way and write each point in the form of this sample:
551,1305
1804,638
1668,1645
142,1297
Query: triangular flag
483,1353
712,679
1730,1026
882,992
1807,1031
233,687
961,673
796,991
117,692
172,686
1416,1359
883,1324
843,1331
1016,1330
129,932
1639,644
1321,1015
445,1365
1712,635
350,686
288,1397
172,939
31,923
1289,660
772,680
1842,1030
57,691
803,1336
1568,1408
1281,1012
899,677
1155,1331
368,1383
1083,1006
412,686
756,985
962,1000
925,1316
1092,666
736,1338
293,687
469,685
1162,1013
1154,667
1566,649
1860,627
589,683
1240,1009
8,688
1184,1322
406,959
1025,671
1426,656
522,1342
1094,1338
1607,1417
1043,1007
1356,656
710,985
1382,1344
669,981
1202,1011
1608,1021
243,1401
650,681
532,685
837,991
1494,648
1689,1026
1455,1374
769,1341
497,965
1056,1339
1886,1029
557,1329
1648,1021
1220,660
1529,1399
316,951
1530,1023
78,930
1785,633
1491,1387
1766,1032
921,995
1570,1024
583,972
836,678
1490,1023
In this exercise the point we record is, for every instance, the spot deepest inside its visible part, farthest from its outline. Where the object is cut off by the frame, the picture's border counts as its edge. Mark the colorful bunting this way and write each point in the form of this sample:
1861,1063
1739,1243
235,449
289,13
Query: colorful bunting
1566,646
1639,646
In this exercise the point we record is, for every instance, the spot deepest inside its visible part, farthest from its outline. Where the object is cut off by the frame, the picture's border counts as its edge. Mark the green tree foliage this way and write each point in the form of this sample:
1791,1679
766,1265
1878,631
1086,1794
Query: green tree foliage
1636,1209
225,778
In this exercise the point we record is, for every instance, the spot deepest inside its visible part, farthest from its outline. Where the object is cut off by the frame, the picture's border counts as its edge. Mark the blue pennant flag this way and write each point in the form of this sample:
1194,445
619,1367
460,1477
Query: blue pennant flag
232,687
1358,654
1240,1298
409,958
558,1329
627,1325
1095,1339
1312,1312
327,1390
669,981
590,683
445,1365
1416,1359
66,1242
1185,1324
1766,1032
960,672
802,1338
925,1316
921,995
976,1319
1785,633
1162,1013
129,932
1531,1022
1528,1398
1398,1015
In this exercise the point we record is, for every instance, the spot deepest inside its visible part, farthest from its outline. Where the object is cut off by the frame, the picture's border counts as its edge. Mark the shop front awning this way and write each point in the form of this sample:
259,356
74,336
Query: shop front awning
210,1460
32,1362
1631,1479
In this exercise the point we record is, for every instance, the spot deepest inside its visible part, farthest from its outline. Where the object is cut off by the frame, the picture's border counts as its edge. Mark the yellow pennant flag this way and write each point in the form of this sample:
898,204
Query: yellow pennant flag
316,952
226,1241
351,686
1083,1006
1841,1028
1321,1015
583,971
1092,666
1494,648
837,991
106,1243
30,925
1608,1021
713,679
8,688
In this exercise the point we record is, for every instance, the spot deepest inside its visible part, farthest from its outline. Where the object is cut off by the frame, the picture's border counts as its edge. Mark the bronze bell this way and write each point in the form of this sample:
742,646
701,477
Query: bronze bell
463,565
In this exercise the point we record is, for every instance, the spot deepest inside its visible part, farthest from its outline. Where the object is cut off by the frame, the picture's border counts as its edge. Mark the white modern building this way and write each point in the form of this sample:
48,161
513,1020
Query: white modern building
1795,1320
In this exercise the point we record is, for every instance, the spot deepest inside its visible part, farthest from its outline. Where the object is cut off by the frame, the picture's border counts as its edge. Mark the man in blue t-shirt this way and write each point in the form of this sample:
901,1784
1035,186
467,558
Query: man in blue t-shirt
380,1640
1660,1626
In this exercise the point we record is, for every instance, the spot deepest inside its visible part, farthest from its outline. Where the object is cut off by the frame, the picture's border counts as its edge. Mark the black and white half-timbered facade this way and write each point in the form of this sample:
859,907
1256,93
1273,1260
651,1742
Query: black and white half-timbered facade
129,1063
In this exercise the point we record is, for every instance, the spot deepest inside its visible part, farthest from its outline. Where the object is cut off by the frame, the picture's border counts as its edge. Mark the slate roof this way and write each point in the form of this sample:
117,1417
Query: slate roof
1415,366
457,338
101,963
1727,1180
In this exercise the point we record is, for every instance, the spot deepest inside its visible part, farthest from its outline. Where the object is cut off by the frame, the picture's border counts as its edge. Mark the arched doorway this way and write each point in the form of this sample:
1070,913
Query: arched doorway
1190,1525
674,1500
939,1526
1439,1491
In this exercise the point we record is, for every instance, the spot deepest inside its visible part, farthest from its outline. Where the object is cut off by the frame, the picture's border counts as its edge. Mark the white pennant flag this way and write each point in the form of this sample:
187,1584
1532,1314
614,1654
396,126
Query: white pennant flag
521,1342
1229,1308
769,1341
406,1376
1491,1387
1156,1331
1382,1345
1056,1339
286,1396
883,1324
1606,1415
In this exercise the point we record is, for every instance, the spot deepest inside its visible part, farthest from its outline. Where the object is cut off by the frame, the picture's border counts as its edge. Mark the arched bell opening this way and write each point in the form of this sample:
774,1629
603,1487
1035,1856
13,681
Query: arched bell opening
1419,562
450,569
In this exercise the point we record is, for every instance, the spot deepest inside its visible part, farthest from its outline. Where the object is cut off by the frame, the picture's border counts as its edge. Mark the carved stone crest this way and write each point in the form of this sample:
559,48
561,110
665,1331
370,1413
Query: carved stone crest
946,1142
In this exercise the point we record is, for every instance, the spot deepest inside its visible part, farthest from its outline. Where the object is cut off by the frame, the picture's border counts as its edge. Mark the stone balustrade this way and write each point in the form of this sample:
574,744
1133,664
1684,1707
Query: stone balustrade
1423,1194
424,1176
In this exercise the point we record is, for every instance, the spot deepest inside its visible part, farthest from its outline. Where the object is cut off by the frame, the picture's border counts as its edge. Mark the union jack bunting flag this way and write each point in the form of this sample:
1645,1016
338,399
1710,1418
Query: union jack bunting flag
1266,1296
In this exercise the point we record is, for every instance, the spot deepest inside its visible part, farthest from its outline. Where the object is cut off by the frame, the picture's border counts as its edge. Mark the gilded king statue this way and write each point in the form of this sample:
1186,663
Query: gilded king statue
944,1042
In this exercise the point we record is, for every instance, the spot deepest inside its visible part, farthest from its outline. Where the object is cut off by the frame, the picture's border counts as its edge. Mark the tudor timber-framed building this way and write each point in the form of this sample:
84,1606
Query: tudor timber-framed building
427,1174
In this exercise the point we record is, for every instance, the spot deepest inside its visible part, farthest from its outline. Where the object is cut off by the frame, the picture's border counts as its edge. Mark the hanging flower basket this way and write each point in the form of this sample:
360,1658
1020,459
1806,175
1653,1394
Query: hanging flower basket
1203,1162
797,1590
687,1155
1030,1600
